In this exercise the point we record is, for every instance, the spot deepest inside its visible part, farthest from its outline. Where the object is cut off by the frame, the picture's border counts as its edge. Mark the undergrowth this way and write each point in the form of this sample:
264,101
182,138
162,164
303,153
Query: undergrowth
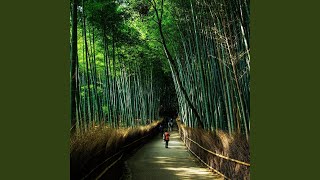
97,144
234,146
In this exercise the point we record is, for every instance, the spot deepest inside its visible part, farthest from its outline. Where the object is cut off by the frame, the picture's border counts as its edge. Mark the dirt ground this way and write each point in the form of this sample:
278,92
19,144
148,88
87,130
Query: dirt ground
154,161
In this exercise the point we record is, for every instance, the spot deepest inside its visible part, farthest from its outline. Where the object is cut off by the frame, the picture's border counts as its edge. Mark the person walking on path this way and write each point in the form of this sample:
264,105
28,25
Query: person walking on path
161,129
170,124
166,137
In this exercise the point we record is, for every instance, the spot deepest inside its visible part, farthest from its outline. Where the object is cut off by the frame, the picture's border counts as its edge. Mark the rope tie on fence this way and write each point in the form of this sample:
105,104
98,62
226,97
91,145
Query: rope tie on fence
219,155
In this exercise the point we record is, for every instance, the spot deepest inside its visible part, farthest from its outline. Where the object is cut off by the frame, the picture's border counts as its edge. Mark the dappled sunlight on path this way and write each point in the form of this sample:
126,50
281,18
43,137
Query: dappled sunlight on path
154,161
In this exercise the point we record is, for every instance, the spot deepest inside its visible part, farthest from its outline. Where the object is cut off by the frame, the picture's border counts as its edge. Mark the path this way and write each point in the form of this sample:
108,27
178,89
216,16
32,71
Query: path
154,161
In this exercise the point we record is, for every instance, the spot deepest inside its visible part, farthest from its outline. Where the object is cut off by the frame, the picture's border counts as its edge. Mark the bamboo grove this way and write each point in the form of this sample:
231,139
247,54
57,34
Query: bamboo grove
209,58
112,70
213,61
122,50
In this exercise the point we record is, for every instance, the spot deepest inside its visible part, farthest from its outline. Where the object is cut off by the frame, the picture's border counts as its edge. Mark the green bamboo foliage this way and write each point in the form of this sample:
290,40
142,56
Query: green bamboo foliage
112,92
213,60
209,61
130,100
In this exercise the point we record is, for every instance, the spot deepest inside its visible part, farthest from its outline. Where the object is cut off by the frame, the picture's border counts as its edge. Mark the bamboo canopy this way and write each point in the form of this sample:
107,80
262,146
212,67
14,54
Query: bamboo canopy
122,54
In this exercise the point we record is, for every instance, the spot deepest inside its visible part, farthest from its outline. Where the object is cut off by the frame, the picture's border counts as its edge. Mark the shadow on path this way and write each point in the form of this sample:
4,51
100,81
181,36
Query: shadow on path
154,161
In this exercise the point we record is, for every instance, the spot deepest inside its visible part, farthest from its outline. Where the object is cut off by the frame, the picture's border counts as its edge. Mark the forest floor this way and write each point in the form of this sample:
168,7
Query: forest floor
154,161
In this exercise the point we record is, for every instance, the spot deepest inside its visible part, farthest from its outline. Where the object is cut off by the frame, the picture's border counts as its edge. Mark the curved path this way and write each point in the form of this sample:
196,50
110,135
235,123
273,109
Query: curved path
154,161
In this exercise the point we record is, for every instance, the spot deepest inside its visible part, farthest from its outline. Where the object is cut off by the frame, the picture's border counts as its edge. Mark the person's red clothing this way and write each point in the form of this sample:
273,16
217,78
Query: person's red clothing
166,136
